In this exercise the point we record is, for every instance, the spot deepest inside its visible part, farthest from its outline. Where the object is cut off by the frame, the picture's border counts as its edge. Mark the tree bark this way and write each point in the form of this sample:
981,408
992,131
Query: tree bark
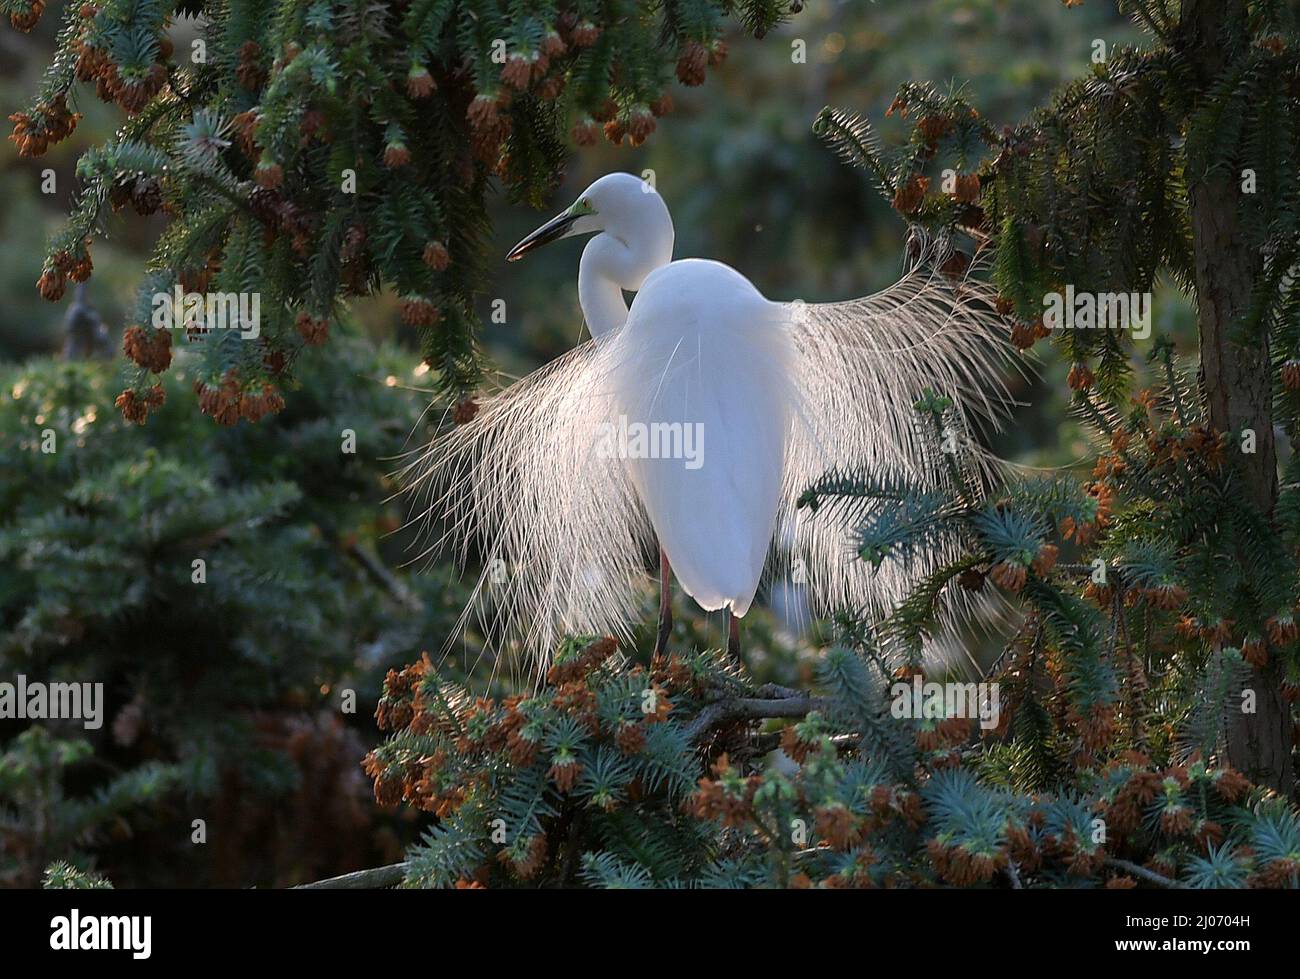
1237,379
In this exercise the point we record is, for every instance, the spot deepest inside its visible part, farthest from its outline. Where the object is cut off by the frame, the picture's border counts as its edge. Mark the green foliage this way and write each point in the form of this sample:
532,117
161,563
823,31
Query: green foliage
62,875
557,787
313,152
39,819
222,680
592,782
1167,160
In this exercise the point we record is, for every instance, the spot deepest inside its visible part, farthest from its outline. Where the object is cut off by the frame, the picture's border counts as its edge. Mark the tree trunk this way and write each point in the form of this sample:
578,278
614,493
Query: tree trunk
1237,379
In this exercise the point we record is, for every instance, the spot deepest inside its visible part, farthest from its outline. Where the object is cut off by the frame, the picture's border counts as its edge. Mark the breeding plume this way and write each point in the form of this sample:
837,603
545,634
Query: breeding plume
689,425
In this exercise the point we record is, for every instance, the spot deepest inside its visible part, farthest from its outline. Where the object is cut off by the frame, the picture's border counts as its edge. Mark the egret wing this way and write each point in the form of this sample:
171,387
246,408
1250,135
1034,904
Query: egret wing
860,367
556,523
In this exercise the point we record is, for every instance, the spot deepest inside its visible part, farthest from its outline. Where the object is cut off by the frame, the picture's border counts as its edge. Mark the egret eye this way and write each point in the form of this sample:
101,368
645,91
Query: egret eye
586,202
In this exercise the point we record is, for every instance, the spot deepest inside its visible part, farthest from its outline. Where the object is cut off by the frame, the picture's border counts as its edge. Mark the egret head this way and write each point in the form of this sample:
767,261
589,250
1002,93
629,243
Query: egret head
619,204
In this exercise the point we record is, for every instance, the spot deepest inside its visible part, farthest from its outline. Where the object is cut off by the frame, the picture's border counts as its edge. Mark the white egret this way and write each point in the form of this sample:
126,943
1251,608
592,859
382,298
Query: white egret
696,419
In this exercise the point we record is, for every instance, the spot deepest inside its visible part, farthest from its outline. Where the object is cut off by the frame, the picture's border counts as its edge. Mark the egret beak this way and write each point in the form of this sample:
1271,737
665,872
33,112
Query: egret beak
552,230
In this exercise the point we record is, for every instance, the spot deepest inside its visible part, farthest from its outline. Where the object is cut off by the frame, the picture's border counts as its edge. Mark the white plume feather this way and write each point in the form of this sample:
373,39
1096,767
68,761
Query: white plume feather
862,365
565,541
561,534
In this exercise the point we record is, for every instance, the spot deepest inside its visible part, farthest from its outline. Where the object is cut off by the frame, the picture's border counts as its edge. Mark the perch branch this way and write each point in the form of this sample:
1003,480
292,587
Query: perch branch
751,709
1150,876
359,880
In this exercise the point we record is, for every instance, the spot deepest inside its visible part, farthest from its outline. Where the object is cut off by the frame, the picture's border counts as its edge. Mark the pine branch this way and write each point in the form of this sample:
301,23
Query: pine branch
359,880
1150,876
751,708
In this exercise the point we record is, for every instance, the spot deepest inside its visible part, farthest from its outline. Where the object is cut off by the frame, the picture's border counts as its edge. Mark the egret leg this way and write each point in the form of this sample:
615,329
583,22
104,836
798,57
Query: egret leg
733,636
665,604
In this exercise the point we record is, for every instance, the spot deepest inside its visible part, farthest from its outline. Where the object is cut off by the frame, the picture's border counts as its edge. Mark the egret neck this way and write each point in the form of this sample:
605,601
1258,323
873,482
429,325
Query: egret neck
618,260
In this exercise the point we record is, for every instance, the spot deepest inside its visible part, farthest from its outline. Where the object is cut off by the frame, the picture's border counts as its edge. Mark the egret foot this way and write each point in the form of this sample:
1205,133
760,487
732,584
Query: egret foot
665,605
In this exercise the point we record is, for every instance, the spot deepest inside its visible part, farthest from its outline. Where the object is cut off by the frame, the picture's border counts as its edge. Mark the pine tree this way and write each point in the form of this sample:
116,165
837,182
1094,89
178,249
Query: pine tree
1174,160
309,152
225,586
